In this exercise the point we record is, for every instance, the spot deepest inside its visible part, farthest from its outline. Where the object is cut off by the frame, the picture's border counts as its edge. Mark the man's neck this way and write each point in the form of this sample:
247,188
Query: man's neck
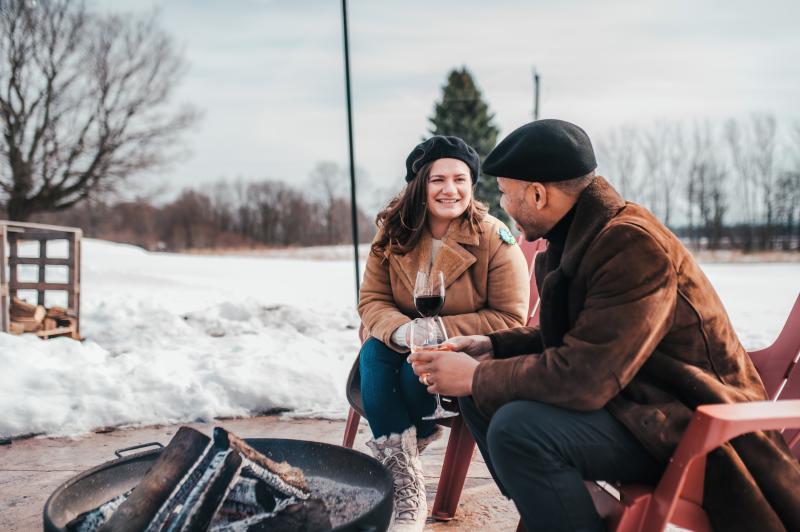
564,210
557,235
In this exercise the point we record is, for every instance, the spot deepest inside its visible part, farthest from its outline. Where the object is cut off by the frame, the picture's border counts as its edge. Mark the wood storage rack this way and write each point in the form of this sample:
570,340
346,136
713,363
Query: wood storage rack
11,234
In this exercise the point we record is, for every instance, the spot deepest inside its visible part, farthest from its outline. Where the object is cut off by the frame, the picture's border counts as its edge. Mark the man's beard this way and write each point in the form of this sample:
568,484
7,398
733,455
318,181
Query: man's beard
531,230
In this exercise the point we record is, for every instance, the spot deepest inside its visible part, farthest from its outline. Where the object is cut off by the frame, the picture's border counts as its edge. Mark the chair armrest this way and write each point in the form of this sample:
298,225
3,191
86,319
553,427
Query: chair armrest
710,427
716,424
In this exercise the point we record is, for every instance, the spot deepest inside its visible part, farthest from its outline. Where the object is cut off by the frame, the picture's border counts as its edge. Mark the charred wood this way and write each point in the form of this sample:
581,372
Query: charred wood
174,462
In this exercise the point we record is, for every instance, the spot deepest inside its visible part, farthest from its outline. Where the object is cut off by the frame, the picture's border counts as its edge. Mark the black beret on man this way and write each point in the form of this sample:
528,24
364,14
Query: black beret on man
542,151
440,147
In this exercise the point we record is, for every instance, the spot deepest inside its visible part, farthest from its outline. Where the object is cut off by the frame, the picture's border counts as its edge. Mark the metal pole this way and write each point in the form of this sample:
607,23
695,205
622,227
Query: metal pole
535,94
5,299
353,207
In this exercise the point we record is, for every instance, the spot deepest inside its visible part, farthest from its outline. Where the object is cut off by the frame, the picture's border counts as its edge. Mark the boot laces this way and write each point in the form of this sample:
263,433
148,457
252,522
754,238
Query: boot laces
406,491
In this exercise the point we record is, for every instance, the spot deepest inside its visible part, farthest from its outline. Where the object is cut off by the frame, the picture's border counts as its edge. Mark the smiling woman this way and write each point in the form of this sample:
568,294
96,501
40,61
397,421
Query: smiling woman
435,224
449,193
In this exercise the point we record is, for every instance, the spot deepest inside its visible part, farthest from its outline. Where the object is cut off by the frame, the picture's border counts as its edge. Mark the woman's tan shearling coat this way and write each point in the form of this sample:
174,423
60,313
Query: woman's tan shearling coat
486,280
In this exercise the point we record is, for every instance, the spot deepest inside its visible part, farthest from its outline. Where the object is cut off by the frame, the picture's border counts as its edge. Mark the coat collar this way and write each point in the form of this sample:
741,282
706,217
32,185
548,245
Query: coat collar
596,206
453,259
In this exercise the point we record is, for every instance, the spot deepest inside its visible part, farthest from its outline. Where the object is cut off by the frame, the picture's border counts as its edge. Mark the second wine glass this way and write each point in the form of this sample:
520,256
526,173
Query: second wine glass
429,334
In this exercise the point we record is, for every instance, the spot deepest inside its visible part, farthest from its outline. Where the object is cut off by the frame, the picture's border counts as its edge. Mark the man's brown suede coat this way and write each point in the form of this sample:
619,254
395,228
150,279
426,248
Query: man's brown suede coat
630,323
486,282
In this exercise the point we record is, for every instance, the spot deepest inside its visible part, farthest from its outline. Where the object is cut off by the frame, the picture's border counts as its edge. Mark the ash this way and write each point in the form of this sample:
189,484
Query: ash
344,502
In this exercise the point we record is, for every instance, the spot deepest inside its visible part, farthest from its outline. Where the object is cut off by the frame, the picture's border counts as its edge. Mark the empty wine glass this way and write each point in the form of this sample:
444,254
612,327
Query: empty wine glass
429,334
429,293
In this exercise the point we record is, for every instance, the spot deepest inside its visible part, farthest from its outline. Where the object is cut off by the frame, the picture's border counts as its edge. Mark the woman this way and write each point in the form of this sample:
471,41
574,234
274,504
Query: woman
435,223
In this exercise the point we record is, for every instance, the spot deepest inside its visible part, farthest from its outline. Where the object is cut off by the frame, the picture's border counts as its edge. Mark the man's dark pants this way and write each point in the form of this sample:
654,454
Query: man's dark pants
540,454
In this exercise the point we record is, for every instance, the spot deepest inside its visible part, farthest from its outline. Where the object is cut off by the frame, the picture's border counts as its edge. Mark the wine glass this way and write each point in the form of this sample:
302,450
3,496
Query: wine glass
429,334
429,293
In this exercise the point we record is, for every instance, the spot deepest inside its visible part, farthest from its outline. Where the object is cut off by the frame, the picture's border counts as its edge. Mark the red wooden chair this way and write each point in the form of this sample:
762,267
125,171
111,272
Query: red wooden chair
678,497
460,445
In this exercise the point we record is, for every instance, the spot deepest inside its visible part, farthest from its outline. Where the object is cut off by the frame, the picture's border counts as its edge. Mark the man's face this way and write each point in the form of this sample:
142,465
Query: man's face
518,199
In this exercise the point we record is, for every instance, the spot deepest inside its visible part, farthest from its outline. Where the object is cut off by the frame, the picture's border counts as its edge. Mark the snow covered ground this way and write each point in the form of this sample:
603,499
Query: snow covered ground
173,338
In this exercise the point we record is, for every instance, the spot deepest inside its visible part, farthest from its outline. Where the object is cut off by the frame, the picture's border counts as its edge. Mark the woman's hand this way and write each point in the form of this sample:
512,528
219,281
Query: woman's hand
400,335
475,345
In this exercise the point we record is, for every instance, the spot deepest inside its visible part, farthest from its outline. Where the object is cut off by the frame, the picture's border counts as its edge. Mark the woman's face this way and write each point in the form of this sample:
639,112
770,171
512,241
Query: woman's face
449,189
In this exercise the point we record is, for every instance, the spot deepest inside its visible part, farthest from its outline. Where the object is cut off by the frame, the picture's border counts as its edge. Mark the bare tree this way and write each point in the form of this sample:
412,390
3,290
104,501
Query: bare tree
716,203
620,151
706,186
653,147
788,193
328,180
265,199
675,167
83,102
737,141
764,143
186,221
787,206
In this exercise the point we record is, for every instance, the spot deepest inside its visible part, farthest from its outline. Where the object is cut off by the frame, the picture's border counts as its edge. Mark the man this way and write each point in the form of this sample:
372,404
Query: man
632,338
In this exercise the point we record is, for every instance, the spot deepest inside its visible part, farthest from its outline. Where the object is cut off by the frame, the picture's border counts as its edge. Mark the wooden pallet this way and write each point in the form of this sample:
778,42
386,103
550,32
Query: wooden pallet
11,234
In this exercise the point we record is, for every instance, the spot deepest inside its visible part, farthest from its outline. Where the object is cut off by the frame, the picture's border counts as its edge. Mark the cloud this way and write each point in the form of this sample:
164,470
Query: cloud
269,74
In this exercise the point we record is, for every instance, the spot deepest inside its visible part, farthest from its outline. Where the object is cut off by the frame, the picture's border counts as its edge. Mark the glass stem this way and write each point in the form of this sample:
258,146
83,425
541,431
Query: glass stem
438,402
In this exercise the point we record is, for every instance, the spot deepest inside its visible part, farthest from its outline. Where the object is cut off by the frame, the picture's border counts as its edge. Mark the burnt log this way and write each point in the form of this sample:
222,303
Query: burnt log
200,493
208,501
281,476
174,462
310,516
254,493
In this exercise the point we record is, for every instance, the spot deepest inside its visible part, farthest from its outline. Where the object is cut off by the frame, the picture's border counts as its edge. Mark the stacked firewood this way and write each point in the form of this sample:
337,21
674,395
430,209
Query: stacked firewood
45,322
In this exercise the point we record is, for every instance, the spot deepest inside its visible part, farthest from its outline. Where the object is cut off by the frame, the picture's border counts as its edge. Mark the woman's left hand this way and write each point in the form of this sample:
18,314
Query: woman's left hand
446,372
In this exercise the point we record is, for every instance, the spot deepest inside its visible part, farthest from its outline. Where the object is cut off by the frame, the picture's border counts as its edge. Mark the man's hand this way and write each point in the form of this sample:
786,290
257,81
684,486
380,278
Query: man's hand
445,372
475,346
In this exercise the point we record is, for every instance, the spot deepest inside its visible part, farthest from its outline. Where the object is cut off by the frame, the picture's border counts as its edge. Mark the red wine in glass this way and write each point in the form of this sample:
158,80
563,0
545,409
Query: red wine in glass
429,293
429,306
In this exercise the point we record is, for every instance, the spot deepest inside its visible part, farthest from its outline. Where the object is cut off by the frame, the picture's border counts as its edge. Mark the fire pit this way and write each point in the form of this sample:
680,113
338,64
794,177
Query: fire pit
356,489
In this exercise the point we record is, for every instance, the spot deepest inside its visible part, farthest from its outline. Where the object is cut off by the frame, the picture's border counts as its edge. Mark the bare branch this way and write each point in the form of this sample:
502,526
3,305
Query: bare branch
85,102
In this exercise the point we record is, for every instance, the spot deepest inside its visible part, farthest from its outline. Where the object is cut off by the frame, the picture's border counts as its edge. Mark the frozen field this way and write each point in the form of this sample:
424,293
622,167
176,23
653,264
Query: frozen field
172,338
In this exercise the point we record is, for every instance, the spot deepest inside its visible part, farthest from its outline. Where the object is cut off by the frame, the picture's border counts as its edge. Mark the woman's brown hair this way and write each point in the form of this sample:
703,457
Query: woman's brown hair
403,219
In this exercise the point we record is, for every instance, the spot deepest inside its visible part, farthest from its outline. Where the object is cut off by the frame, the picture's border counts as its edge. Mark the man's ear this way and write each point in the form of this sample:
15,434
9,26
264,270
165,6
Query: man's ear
538,195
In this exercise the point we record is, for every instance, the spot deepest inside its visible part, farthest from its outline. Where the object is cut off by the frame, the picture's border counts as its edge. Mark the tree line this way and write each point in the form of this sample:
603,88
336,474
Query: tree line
728,185
224,216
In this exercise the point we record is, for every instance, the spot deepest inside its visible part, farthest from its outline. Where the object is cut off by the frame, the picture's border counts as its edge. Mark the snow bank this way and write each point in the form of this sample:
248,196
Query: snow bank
174,338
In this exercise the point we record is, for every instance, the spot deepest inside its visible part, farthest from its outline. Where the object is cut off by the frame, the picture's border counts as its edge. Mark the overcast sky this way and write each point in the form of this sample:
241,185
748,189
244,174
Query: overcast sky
269,75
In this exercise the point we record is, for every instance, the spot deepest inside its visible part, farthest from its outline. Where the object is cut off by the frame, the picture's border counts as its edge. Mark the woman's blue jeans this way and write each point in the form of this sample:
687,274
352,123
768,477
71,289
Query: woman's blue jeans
393,397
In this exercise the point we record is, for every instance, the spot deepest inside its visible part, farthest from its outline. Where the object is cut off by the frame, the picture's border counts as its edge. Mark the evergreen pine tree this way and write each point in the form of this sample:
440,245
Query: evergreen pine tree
462,112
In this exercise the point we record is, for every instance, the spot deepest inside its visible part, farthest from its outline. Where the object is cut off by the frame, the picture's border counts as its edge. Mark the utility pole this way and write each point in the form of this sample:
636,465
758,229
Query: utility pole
353,207
535,94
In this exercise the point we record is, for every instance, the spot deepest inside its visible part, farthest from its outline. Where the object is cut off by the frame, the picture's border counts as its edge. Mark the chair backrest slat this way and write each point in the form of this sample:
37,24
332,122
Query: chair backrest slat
777,364
779,368
530,250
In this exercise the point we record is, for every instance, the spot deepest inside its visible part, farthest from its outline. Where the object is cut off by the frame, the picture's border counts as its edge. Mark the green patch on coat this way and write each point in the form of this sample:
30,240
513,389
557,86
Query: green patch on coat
506,236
